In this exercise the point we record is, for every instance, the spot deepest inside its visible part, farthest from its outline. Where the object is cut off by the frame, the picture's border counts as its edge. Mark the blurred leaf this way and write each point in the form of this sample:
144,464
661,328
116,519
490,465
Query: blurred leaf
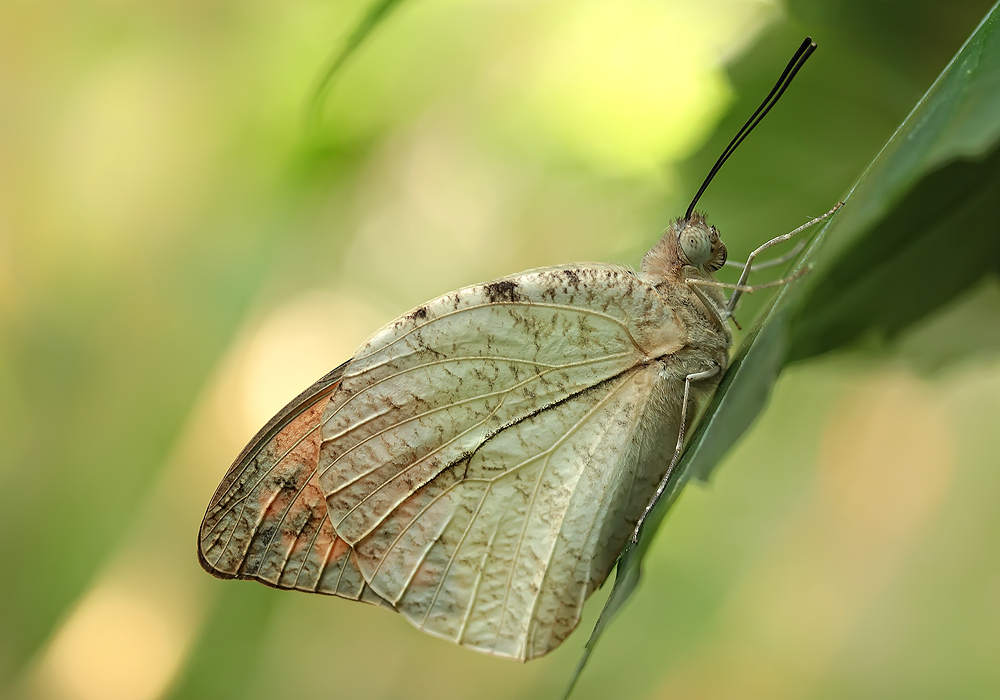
925,184
168,332
377,13
962,332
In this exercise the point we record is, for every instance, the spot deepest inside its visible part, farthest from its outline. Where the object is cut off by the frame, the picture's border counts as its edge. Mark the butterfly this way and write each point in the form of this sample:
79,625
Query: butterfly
480,463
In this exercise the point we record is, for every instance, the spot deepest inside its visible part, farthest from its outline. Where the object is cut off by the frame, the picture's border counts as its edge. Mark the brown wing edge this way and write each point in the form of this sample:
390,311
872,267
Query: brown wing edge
292,544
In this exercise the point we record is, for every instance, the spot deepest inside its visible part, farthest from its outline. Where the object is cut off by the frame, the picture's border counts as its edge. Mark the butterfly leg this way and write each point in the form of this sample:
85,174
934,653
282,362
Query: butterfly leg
748,267
745,288
678,448
769,263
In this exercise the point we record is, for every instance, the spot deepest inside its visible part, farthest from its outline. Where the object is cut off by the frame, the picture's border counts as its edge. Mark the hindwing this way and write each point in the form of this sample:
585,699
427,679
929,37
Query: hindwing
482,454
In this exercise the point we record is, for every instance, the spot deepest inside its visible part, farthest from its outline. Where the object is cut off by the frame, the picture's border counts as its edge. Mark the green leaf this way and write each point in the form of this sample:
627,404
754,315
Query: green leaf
917,228
937,242
921,227
377,13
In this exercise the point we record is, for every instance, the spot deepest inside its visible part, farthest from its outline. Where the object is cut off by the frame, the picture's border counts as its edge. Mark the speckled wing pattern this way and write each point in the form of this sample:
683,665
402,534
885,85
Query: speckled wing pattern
477,466
268,519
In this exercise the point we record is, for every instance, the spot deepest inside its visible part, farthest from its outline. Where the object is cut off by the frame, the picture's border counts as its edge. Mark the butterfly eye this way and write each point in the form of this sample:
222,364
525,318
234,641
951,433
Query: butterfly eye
696,245
718,258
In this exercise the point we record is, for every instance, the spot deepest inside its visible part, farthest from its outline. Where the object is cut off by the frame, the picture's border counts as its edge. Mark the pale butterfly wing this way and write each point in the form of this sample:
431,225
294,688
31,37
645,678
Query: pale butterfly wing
268,519
488,455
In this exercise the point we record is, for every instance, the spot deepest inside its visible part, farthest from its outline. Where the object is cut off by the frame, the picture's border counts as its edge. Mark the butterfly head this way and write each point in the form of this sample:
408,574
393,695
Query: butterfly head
699,244
687,243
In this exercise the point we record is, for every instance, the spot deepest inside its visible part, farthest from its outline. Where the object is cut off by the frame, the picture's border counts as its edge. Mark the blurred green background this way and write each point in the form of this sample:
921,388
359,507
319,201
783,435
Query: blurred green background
179,256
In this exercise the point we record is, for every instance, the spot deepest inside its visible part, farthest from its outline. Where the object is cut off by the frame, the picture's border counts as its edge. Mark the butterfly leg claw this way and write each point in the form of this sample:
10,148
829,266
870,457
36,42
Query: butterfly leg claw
678,448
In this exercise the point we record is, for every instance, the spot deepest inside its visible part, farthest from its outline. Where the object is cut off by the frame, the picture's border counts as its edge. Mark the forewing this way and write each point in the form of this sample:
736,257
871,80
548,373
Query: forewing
476,448
268,519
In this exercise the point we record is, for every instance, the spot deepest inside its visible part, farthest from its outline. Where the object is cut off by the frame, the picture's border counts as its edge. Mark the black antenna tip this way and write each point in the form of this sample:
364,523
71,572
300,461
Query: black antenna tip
804,51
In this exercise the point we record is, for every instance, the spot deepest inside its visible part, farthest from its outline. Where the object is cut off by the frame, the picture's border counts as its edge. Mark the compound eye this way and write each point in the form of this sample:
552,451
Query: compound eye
718,260
696,245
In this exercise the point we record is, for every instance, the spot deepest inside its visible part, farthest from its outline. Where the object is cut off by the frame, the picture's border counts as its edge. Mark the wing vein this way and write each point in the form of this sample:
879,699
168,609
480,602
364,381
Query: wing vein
536,305
264,475
249,539
312,543
531,504
419,416
400,473
291,548
479,577
416,517
423,557
454,555
258,440
281,519
602,500
326,563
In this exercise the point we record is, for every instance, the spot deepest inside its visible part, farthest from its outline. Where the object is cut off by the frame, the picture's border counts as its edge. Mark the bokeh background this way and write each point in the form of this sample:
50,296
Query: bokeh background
180,255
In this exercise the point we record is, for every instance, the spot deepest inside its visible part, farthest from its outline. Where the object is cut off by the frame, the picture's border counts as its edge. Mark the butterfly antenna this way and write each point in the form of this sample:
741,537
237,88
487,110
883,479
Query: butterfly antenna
804,51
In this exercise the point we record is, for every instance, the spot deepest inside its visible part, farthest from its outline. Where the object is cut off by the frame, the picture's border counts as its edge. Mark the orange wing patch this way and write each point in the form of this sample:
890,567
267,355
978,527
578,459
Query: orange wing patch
268,520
